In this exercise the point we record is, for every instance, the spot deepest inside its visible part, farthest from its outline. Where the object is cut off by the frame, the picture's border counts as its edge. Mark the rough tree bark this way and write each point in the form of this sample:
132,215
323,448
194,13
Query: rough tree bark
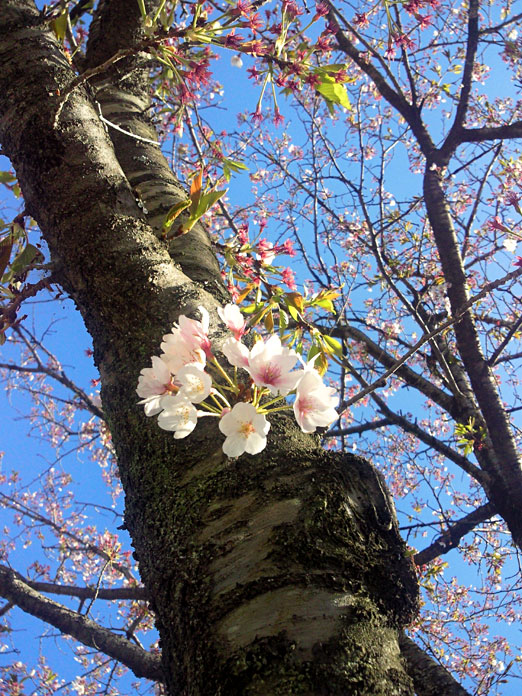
281,573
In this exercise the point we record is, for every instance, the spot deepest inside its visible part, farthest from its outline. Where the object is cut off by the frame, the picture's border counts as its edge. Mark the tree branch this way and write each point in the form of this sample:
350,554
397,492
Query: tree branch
410,114
16,589
412,378
60,377
359,429
429,678
467,78
450,539
14,504
134,593
479,135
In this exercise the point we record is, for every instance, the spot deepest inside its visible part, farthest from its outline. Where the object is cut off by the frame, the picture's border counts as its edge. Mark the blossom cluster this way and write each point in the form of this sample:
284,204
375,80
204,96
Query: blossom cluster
186,382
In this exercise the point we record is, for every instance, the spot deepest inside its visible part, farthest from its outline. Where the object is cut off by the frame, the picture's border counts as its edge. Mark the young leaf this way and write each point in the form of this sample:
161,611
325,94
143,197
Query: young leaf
295,299
269,321
59,26
195,191
6,246
6,177
203,205
23,259
333,91
332,345
173,213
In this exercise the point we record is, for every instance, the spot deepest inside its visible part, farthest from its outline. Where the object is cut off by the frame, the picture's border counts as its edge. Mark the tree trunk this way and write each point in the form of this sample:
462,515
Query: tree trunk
282,573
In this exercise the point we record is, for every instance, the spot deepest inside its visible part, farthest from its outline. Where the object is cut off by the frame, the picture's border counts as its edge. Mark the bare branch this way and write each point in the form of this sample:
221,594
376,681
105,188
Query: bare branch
16,589
134,593
359,429
467,77
429,678
479,135
450,539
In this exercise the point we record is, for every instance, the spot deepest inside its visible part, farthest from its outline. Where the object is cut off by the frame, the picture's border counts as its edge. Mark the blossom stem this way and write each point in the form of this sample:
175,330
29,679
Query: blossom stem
224,374
224,399
273,401
210,408
274,410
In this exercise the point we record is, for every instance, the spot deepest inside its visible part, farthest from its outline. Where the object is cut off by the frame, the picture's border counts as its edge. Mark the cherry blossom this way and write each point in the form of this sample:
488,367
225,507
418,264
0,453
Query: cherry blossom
180,416
195,332
232,317
269,365
235,352
195,383
266,252
155,386
245,430
177,352
314,404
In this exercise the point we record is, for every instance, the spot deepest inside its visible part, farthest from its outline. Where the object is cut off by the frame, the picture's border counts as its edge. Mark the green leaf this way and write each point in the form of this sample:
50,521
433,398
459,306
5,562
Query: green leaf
59,26
333,92
230,166
6,177
334,67
293,313
24,259
325,304
207,201
315,348
203,205
173,213
235,166
332,345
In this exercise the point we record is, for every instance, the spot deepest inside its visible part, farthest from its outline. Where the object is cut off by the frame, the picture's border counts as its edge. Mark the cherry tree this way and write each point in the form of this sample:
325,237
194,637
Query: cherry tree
382,153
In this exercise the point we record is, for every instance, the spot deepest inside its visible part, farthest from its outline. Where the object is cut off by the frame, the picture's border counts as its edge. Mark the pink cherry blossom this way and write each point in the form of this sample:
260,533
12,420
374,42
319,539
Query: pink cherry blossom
177,352
235,352
180,416
245,430
195,332
269,365
155,386
232,317
314,404
266,252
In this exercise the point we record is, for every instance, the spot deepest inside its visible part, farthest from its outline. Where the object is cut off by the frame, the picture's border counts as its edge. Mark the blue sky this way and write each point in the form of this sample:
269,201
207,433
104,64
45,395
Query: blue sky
68,338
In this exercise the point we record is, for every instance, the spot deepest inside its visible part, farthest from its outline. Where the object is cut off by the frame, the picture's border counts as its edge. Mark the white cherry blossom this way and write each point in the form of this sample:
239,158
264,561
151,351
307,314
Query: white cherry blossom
195,383
245,430
314,404
180,416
